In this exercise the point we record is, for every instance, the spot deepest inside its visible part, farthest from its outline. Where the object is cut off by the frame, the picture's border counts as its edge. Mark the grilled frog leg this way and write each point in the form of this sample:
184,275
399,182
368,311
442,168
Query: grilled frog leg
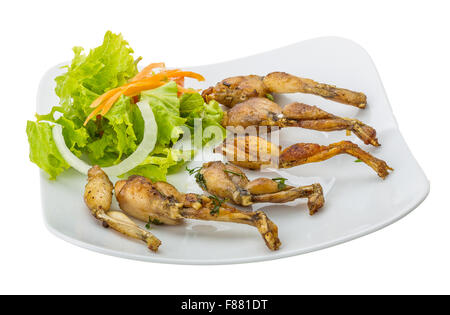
200,207
282,82
143,199
260,111
229,182
254,152
234,90
98,197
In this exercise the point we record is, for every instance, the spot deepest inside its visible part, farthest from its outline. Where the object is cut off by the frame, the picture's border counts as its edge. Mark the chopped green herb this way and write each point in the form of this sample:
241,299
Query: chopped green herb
193,170
217,204
281,182
152,221
270,97
147,226
156,222
199,178
357,161
231,172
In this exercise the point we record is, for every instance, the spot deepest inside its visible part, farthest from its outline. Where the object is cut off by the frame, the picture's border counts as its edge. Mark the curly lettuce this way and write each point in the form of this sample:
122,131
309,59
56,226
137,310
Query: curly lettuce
43,151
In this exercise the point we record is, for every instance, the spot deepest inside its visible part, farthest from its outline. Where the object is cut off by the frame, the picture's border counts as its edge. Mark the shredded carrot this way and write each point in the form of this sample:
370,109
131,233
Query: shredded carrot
144,80
102,97
188,74
148,70
110,102
93,114
179,81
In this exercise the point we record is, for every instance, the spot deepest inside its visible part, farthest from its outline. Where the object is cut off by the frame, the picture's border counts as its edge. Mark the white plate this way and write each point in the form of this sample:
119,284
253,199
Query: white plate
358,203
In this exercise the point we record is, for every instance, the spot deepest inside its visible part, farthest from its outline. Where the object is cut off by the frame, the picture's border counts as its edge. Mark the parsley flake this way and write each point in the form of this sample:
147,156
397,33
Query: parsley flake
281,182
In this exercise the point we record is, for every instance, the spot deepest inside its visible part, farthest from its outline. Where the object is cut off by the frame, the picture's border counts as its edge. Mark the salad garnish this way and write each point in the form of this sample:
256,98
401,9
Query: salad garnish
100,120
146,80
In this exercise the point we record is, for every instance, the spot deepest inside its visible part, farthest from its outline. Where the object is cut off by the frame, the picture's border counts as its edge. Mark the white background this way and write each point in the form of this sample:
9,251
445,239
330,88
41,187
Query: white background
410,44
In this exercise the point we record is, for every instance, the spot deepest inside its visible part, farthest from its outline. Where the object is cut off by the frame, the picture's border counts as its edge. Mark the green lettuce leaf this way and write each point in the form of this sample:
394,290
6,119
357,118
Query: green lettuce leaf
166,108
43,150
76,137
159,162
89,76
108,140
192,106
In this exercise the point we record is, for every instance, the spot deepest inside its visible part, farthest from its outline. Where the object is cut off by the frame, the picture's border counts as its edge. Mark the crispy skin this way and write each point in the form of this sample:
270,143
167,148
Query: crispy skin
263,186
312,117
98,198
234,90
242,152
313,192
98,190
260,111
282,82
257,111
229,182
302,153
142,199
221,180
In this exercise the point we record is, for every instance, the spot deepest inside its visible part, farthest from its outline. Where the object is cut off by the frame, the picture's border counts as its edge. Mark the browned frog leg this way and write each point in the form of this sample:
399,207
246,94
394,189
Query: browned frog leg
98,198
281,82
230,182
200,207
312,117
302,153
123,224
313,192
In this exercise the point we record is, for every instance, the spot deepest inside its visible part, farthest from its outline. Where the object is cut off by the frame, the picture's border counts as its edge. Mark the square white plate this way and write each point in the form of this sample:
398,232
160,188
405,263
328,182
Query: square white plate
357,201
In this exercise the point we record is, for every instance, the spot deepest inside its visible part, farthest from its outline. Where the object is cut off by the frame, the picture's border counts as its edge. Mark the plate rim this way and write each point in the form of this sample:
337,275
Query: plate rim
234,261
153,258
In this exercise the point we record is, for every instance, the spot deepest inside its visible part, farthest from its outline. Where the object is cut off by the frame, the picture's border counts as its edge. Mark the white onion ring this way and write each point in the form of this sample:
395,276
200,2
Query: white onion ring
135,159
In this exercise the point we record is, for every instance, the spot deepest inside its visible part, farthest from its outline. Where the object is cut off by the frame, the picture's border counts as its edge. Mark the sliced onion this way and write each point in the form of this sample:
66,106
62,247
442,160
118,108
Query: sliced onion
136,158
70,158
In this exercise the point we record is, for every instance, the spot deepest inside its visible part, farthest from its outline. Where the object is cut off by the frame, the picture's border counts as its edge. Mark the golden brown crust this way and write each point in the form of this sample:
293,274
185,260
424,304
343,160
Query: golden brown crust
312,117
230,183
98,198
243,152
234,90
263,112
302,153
98,191
258,111
221,180
282,82
140,198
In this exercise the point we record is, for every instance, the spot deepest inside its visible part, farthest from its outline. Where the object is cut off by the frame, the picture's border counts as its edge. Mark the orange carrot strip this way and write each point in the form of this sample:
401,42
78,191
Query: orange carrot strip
94,113
128,90
136,90
110,102
179,81
141,82
188,74
102,98
145,72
